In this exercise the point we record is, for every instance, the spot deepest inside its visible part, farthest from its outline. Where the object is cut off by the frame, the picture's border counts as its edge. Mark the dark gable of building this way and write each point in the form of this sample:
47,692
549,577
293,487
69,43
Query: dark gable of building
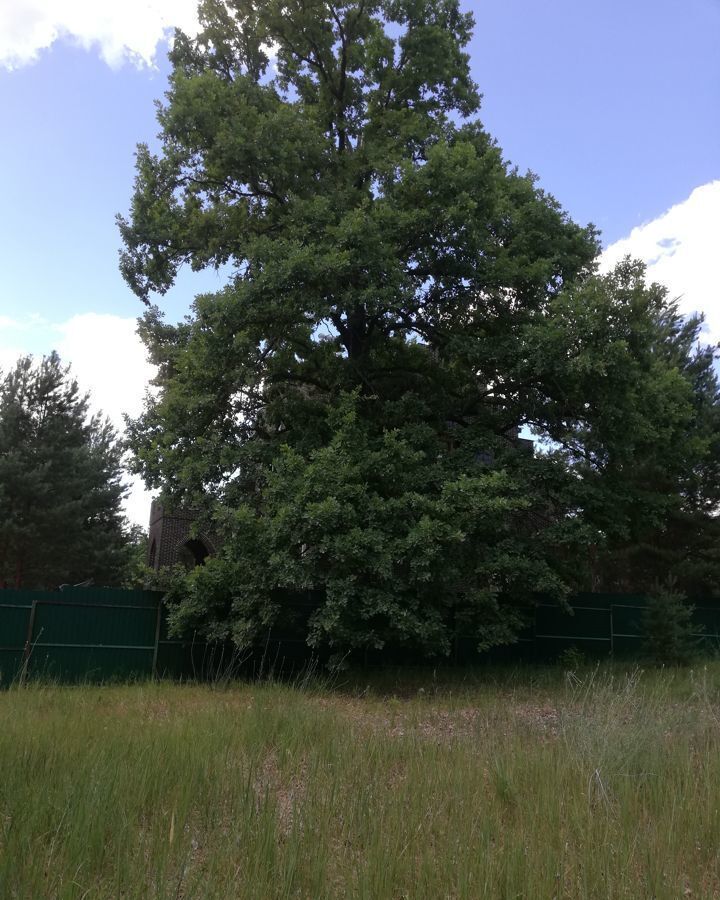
173,540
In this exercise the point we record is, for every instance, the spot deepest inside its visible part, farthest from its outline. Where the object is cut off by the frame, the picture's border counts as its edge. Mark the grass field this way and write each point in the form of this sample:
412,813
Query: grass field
538,784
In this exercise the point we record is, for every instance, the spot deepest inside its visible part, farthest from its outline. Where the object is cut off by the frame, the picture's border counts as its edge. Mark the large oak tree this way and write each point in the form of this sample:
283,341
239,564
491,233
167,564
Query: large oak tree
399,302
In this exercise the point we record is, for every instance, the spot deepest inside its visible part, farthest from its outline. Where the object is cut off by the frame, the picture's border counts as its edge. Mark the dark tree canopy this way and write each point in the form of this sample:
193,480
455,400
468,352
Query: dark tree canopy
400,302
61,484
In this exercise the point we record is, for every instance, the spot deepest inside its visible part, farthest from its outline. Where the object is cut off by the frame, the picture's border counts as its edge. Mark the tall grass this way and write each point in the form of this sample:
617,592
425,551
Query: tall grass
595,784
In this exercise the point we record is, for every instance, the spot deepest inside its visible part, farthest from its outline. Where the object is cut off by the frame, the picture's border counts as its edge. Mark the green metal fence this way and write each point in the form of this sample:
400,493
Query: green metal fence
596,625
609,624
104,633
90,633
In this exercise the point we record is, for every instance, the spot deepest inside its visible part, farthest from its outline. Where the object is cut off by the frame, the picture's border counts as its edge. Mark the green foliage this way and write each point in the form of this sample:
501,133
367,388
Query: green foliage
60,482
137,572
402,543
671,638
572,658
400,302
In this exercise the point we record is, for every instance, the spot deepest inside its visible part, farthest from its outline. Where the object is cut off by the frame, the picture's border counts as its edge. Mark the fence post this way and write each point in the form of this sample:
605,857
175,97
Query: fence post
158,620
27,649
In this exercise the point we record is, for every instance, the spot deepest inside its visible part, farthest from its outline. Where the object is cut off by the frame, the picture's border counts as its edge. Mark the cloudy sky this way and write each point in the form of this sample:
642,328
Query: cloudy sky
615,105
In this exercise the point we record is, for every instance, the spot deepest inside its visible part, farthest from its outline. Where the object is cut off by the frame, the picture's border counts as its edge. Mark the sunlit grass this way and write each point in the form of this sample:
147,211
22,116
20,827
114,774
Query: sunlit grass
539,784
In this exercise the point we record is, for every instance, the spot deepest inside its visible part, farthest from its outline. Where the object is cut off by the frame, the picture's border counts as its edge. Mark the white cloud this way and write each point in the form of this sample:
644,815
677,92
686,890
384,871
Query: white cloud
9,353
681,249
14,336
108,360
122,30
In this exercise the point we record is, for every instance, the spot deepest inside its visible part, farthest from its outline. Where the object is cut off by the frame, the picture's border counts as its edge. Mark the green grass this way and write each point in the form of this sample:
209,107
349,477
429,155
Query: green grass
537,784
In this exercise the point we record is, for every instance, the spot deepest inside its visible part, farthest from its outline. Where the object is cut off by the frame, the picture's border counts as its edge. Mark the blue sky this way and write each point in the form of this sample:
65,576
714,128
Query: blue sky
615,105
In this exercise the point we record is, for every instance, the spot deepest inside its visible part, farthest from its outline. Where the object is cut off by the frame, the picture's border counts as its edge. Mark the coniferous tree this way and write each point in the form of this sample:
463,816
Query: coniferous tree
61,485
670,636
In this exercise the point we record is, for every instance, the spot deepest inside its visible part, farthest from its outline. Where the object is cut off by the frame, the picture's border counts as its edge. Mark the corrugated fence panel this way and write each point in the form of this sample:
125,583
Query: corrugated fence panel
592,601
192,659
78,663
103,633
95,633
628,619
14,621
628,615
10,597
708,619
579,622
15,609
100,596
65,623
78,633
10,662
584,628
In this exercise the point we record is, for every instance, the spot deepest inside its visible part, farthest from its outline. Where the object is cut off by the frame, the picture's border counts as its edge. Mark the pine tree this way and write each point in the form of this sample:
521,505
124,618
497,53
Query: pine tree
671,638
61,485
